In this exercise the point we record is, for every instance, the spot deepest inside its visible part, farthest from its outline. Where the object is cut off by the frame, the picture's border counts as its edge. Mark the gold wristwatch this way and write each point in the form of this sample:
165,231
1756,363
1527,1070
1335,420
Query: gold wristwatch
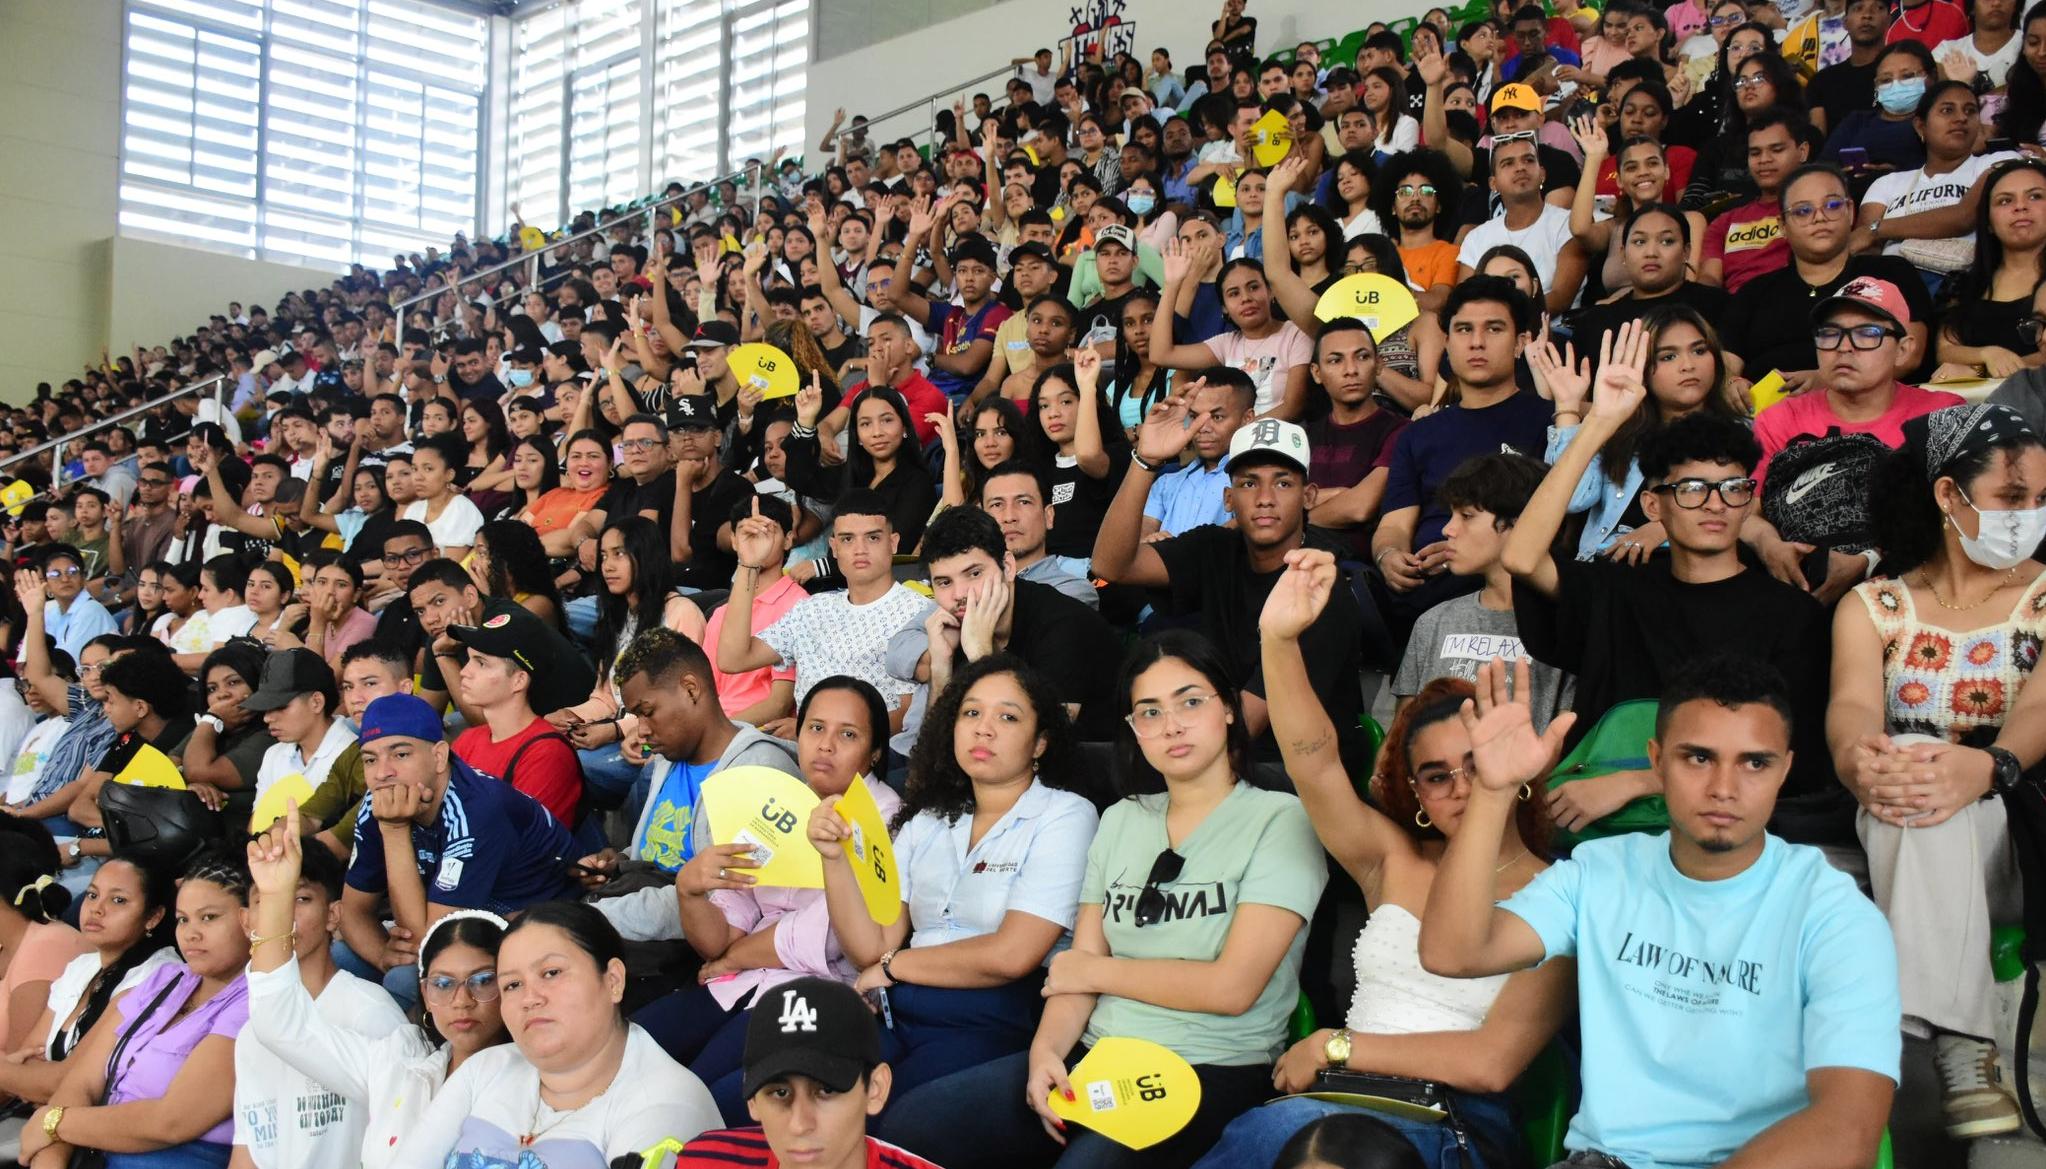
1337,1049
52,1117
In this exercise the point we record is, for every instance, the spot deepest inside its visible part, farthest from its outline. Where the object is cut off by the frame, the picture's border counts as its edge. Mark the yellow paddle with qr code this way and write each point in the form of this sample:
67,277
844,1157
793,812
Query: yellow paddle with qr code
271,805
872,854
766,369
769,810
1132,1091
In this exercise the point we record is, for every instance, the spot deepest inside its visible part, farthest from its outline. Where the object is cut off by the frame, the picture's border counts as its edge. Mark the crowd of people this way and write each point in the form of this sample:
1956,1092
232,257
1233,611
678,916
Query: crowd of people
363,714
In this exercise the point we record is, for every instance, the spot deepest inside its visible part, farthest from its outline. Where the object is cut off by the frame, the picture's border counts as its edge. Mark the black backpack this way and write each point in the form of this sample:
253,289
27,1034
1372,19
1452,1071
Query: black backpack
1817,491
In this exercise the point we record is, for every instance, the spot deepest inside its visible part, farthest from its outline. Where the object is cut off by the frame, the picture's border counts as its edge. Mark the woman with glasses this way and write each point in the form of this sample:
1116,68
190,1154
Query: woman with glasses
1761,81
1474,1036
1883,140
393,1078
1985,330
1932,713
753,938
992,848
1192,922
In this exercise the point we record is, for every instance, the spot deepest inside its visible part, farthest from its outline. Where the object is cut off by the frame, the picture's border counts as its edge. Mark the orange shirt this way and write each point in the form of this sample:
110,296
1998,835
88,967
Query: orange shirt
558,508
1430,264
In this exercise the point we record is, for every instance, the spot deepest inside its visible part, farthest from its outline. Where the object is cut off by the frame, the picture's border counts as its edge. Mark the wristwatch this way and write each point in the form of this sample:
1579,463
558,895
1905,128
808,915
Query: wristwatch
75,852
1145,463
54,1114
2005,770
219,728
1337,1049
886,960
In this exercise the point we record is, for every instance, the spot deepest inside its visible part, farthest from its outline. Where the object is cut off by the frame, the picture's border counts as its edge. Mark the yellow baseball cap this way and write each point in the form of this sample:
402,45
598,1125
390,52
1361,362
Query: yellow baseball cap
1517,97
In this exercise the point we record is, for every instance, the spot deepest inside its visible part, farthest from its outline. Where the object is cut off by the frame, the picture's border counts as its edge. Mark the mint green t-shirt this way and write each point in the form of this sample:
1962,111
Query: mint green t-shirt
1257,848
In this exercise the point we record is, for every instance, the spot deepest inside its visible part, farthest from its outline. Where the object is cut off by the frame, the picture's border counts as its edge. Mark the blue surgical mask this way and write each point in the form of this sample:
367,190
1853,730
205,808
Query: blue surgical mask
519,378
1141,203
1901,96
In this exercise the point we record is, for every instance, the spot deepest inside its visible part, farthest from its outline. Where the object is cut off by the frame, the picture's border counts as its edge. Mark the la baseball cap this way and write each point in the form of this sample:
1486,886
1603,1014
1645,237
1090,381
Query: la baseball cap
1517,97
812,1027
1268,440
1871,294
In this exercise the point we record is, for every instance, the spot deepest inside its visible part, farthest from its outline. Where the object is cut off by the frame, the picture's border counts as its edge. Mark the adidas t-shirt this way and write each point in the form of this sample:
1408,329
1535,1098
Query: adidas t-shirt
491,847
1747,241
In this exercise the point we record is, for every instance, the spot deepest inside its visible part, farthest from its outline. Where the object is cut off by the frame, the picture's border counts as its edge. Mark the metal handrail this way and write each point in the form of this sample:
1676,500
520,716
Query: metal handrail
217,381
930,102
531,259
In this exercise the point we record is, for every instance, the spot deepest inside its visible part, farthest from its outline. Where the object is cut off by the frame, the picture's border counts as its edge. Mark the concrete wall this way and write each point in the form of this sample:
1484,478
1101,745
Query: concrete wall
885,75
159,291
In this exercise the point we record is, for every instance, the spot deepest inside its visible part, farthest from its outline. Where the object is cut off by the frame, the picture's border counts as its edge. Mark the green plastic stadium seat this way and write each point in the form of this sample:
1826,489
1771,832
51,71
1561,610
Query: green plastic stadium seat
1618,742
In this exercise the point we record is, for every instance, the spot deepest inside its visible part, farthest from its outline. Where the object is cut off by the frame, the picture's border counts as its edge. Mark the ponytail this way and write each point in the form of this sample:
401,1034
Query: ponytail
42,900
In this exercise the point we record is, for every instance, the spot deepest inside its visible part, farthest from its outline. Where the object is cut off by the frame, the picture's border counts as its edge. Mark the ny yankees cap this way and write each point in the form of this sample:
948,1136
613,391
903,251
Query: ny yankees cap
1268,440
811,1027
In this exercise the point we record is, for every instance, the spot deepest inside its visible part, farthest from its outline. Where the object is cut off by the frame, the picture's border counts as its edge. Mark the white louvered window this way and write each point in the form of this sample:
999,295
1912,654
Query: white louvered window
320,132
770,50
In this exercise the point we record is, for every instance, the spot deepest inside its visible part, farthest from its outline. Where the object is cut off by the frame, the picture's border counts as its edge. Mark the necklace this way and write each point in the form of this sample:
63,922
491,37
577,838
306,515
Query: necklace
1518,857
1925,578
533,1130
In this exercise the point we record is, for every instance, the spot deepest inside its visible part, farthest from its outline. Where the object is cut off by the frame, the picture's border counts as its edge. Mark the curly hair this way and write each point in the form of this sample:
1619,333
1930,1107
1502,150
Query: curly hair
936,782
1436,171
1393,784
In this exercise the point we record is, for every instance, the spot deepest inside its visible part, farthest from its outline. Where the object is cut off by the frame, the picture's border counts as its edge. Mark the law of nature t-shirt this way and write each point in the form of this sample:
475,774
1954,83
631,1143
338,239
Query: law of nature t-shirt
1255,848
1703,1004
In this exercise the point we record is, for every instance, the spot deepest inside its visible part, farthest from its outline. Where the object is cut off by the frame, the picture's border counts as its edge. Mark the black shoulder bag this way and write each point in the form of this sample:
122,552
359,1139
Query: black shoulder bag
97,1158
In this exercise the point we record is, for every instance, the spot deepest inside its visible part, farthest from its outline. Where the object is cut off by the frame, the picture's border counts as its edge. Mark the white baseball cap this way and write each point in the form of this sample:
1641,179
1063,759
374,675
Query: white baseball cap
1273,437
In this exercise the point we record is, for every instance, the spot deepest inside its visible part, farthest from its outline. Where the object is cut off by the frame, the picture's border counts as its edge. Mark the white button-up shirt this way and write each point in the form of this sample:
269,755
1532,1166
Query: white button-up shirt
1032,860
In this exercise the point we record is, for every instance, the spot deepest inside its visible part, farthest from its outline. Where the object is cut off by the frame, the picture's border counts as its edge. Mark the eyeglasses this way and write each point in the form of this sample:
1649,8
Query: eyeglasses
1727,21
2031,328
61,573
154,482
1751,81
1148,721
1499,140
1833,207
415,556
1440,778
1409,190
1151,900
1690,494
482,987
640,444
1865,337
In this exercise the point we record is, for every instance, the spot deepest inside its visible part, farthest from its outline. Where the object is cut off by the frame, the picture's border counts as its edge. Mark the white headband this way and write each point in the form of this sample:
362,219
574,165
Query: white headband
455,915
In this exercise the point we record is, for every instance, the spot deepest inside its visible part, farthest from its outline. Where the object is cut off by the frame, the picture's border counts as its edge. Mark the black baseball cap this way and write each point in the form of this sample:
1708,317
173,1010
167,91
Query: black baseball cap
286,675
1017,253
503,635
811,1027
715,335
691,412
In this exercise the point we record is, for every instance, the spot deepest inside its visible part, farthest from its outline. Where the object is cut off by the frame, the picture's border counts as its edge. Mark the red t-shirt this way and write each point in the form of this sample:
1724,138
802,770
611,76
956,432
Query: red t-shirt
746,1148
924,398
550,772
1810,413
1930,24
1680,158
1747,241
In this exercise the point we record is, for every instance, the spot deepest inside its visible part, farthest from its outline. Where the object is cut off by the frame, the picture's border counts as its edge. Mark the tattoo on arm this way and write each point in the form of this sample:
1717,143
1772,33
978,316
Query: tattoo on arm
1316,744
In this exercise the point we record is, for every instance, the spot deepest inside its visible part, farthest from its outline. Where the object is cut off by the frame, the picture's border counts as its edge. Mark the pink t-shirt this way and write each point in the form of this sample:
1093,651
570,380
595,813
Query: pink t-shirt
1812,414
46,949
736,692
1267,360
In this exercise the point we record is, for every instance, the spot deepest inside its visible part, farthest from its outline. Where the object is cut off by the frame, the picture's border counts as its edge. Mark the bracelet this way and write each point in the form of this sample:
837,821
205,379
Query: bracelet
886,960
1140,461
801,431
255,941
1382,554
1577,414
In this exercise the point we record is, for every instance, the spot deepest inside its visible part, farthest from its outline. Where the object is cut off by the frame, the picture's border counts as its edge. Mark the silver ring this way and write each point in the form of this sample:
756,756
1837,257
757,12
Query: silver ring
721,874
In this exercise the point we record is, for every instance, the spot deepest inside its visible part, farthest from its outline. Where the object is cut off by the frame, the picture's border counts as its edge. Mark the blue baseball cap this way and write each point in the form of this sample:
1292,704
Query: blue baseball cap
400,715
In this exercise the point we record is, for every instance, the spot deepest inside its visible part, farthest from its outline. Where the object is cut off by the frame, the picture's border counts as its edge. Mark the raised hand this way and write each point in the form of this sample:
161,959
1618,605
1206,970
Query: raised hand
810,402
755,539
30,590
1504,746
614,357
922,215
1299,594
276,855
1179,262
1164,433
1591,138
1568,379
1431,66
1619,391
1287,175
828,830
1087,370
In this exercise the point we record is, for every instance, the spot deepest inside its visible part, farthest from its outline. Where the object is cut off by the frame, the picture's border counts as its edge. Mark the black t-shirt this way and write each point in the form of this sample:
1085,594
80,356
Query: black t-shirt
484,389
1625,630
1600,319
1840,90
128,743
1981,323
369,542
627,497
710,508
1082,502
1062,640
1211,578
1769,320
845,351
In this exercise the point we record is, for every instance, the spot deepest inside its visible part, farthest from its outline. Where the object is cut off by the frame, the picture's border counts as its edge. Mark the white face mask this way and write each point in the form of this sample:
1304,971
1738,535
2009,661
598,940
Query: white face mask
2006,539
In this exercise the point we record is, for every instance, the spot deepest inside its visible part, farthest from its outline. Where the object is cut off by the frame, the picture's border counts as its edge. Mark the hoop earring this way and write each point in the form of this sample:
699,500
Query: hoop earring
1421,819
1526,792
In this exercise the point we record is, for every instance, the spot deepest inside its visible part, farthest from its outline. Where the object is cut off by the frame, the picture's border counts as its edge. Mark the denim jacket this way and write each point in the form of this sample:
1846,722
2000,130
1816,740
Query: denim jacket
1596,494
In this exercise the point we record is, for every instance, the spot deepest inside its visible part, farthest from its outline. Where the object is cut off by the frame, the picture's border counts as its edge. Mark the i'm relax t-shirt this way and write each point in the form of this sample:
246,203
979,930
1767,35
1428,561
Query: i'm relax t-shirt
1702,1004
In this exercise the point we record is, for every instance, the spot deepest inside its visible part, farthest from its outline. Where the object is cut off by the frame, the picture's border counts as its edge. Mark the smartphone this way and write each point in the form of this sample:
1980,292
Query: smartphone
1815,565
1853,157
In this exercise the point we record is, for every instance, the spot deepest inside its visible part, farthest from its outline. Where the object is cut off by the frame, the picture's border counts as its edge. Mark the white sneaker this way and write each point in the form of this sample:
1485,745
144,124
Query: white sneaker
1973,1097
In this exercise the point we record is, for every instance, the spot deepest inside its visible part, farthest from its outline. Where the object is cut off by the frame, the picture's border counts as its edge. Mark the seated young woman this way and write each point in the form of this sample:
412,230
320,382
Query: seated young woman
1192,922
992,853
1473,1036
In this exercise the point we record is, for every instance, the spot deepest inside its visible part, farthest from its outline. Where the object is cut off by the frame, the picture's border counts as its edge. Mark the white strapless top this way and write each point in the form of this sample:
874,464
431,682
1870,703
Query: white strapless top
1395,996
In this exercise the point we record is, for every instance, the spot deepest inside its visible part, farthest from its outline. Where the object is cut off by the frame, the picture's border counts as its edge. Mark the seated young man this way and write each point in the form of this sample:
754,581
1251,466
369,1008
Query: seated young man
984,608
1018,494
843,632
1623,631
369,670
1196,492
436,837
512,743
1452,640
813,1075
1221,575
666,681
1737,996
444,595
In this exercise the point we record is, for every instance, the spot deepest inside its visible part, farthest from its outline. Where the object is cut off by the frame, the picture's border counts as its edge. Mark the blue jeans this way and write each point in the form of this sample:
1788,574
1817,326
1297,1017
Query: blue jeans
1256,1137
580,615
401,981
694,1029
190,1155
940,1030
608,779
978,1119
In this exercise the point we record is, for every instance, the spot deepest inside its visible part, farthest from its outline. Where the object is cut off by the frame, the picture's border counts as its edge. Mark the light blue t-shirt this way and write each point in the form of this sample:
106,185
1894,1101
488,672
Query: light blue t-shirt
1188,498
1703,1003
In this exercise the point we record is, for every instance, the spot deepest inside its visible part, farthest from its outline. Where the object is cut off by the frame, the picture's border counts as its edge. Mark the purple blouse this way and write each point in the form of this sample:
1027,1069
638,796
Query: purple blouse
152,1058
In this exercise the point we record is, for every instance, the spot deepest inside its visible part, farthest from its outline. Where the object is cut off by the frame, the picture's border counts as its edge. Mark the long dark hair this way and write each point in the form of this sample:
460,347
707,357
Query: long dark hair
1024,432
1362,162
1135,773
1903,512
859,465
2024,105
1439,701
937,784
550,476
1331,232
1128,365
1981,277
653,578
159,892
1112,435
877,713
1626,442
518,564
1782,77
